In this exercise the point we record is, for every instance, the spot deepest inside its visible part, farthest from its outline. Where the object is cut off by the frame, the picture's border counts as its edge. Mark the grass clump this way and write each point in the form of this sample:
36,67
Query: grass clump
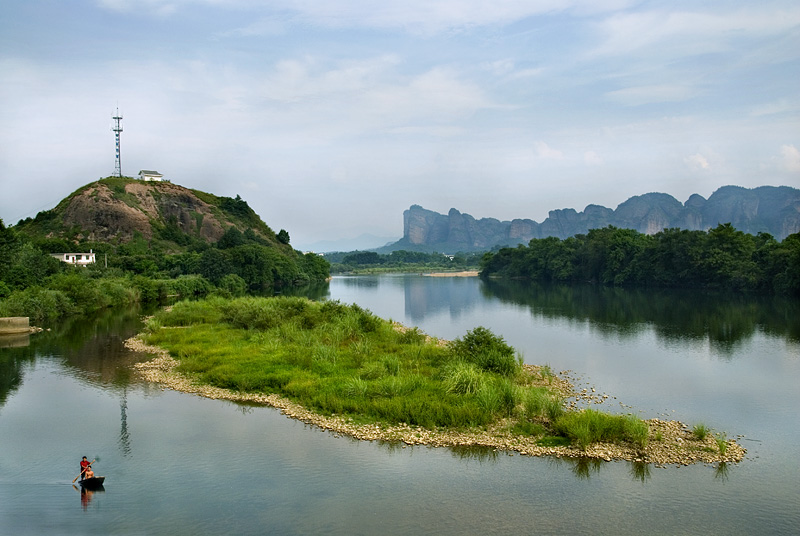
700,431
591,426
722,443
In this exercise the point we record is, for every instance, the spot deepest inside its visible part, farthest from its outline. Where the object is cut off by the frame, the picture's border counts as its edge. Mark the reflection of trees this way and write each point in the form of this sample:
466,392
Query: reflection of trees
92,346
674,314
11,361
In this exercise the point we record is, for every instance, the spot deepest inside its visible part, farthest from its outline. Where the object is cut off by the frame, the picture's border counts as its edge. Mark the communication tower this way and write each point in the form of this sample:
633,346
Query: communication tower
117,129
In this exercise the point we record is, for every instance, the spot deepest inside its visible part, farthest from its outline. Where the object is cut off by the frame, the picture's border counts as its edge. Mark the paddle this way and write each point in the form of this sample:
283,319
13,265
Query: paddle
84,470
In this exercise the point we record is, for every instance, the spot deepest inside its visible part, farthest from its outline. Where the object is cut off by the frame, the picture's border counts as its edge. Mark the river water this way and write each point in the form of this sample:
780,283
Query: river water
180,464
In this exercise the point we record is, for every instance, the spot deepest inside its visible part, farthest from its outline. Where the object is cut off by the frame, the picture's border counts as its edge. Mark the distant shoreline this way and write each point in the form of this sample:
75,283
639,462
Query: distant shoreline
467,273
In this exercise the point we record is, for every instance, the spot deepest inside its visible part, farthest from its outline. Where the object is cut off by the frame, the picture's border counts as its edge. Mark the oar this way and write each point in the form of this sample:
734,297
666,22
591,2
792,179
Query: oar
84,470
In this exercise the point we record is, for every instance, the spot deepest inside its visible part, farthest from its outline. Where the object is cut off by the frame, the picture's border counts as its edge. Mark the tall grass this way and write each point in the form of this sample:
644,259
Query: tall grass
590,426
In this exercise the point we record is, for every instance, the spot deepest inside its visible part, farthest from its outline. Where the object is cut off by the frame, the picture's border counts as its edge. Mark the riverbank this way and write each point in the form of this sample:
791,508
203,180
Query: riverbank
670,442
466,273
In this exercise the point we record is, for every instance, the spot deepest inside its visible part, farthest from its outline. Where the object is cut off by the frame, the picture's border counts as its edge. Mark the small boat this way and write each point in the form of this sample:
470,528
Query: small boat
93,482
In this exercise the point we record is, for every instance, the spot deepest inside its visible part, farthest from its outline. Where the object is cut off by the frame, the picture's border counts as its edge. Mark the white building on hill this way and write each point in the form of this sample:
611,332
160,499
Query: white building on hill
147,175
78,259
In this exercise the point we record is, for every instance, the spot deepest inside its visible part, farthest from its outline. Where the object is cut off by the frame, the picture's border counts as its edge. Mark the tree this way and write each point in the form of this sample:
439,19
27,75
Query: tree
231,238
283,236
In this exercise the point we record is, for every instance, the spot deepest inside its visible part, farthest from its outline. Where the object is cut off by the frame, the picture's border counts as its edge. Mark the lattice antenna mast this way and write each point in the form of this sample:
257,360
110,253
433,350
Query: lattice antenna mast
117,130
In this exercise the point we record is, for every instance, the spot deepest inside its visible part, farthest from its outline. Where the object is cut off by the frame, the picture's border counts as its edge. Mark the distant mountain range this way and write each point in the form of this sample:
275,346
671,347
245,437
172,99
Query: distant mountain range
771,209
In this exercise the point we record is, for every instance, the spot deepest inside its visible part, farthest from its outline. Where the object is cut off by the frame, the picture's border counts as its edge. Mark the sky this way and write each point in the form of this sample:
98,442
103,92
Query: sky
332,117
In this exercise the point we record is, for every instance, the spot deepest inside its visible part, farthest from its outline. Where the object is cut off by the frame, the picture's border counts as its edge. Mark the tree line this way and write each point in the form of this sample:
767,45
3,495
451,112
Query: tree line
400,259
34,284
722,258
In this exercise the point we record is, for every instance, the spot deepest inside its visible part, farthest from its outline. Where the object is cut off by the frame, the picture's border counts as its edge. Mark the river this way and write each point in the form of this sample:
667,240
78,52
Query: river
180,464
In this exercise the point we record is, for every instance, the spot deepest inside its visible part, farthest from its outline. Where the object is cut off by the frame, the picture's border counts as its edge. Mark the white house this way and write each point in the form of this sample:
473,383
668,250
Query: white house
147,175
78,259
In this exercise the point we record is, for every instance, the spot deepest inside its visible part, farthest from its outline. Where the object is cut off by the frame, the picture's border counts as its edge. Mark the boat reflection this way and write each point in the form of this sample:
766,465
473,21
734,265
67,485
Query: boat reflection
88,494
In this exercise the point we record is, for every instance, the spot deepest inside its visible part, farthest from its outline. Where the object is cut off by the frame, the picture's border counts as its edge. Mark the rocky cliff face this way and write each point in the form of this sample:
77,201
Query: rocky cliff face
119,209
770,209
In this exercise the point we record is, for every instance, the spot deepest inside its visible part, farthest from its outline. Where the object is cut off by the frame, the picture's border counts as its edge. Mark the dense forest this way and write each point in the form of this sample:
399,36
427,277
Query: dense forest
400,260
35,284
722,258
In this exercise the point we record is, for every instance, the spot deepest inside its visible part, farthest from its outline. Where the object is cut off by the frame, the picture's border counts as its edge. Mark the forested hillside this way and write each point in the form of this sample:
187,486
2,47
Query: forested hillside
150,240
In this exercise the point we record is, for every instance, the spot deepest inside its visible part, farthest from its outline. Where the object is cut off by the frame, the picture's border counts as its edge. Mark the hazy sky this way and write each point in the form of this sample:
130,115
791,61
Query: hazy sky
331,117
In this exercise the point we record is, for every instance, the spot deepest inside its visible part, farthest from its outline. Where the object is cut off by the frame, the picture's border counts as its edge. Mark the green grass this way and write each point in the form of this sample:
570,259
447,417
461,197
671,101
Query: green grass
700,431
722,443
342,359
591,426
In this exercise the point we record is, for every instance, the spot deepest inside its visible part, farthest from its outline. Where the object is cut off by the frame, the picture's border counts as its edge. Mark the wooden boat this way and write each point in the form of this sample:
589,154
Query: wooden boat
92,483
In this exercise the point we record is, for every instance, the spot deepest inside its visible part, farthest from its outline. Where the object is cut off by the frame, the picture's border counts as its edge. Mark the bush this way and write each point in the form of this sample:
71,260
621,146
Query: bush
488,351
234,285
37,303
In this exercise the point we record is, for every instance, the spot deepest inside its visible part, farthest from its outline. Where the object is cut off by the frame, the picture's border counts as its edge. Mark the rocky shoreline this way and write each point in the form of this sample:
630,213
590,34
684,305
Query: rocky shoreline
671,442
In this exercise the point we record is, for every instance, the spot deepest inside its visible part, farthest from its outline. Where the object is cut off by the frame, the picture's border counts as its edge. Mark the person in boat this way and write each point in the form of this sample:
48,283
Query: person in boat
88,473
86,465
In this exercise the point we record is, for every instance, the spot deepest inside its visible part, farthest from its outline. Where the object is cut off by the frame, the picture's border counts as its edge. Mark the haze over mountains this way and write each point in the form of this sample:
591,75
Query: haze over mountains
771,209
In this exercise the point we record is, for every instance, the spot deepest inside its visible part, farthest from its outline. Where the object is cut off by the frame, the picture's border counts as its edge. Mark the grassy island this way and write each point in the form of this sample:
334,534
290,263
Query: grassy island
344,369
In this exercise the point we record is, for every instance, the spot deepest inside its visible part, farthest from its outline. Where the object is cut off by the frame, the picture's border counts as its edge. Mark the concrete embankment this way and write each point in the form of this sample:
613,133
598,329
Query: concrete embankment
12,325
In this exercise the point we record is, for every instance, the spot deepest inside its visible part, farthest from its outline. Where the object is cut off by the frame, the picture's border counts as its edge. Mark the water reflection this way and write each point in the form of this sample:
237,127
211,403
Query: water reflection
721,471
88,494
124,435
724,320
92,348
640,471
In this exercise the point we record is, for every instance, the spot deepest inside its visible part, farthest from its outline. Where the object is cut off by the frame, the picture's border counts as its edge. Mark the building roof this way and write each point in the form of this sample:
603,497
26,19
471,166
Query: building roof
148,172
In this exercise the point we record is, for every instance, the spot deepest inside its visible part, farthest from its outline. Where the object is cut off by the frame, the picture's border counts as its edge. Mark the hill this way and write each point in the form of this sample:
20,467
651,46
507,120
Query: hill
159,230
770,209
116,210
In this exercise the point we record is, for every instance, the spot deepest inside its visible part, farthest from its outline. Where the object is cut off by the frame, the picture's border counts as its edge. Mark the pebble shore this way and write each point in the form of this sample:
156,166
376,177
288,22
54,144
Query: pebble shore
671,442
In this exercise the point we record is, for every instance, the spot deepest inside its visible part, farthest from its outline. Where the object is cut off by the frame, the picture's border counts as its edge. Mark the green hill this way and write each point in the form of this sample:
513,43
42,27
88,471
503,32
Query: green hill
163,230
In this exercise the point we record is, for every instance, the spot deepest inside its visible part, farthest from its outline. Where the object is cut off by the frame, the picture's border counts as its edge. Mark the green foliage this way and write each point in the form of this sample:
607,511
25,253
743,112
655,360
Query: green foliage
487,351
38,304
721,258
401,260
283,236
700,431
591,426
234,285
363,257
722,443
461,377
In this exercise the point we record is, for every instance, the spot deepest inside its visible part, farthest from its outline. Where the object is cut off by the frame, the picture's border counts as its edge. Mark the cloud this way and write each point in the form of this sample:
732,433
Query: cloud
545,152
414,16
791,158
637,96
680,33
697,162
591,158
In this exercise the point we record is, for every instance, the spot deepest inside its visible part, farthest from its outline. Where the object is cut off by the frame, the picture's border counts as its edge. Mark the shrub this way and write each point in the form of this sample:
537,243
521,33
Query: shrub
37,303
488,351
